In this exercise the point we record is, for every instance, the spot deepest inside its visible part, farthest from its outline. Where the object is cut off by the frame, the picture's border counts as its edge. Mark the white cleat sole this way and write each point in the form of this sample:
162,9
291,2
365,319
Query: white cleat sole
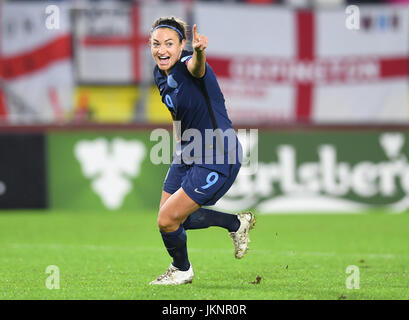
241,237
174,277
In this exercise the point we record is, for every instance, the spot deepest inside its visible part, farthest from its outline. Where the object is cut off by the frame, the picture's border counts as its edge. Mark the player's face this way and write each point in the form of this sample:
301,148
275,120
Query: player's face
166,48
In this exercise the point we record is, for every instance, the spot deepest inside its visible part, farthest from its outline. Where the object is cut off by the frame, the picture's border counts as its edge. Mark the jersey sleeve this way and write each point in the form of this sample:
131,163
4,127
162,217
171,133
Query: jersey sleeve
186,59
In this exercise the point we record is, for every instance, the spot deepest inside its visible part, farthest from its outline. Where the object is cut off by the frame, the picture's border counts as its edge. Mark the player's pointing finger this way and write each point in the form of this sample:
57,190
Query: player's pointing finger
194,31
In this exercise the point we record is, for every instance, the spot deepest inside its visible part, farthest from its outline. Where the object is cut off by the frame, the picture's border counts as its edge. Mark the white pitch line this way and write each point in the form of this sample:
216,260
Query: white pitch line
218,250
363,254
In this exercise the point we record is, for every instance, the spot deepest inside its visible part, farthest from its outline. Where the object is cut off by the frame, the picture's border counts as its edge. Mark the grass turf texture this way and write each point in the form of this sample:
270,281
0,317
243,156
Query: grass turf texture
104,255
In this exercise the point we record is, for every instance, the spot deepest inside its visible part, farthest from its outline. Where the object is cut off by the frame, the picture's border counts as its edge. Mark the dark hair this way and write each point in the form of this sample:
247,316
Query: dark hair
178,24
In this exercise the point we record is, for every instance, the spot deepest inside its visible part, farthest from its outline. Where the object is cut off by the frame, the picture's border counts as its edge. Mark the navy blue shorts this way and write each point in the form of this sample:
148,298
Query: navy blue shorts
202,184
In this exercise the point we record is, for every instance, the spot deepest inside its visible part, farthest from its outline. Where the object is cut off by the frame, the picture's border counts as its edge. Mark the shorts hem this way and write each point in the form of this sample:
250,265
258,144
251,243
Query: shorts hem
193,197
168,190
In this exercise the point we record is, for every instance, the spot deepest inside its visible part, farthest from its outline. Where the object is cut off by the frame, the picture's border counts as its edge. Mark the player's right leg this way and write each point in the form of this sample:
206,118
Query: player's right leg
171,215
164,197
203,217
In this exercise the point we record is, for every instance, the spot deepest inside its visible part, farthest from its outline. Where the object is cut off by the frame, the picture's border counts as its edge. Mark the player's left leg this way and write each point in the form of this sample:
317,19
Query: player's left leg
206,186
205,218
238,226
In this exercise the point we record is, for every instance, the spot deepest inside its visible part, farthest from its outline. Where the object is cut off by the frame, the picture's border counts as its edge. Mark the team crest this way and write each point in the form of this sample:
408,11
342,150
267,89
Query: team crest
172,82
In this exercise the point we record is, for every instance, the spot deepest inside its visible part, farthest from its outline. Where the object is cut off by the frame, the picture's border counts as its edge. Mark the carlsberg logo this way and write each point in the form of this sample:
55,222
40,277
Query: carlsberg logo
328,184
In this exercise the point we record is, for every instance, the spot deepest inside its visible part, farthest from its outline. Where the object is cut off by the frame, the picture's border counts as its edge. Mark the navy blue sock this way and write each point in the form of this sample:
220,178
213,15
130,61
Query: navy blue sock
175,243
204,218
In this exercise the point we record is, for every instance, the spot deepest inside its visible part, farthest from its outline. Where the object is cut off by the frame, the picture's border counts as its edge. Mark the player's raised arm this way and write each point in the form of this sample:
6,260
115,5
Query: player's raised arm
197,65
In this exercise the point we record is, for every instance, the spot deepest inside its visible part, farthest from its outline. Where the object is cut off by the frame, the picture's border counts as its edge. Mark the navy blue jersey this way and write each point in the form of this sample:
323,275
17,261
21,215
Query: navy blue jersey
197,104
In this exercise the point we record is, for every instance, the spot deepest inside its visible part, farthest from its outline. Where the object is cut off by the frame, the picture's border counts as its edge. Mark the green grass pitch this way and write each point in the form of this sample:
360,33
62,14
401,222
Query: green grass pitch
104,255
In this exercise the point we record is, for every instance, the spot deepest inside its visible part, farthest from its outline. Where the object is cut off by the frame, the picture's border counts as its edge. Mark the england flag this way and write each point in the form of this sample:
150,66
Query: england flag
36,74
285,65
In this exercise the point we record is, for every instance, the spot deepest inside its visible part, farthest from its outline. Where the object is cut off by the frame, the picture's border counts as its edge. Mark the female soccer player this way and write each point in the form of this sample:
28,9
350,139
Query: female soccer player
190,91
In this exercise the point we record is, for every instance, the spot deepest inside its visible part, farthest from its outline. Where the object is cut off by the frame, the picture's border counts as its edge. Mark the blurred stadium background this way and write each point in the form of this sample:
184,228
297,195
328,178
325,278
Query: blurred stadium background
329,100
324,87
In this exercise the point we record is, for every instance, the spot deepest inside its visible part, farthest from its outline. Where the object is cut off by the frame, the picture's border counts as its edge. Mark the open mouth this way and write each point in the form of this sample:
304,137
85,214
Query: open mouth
163,60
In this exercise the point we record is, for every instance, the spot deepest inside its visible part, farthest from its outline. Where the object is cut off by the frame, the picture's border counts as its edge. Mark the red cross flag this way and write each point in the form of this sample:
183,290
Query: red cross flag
35,62
276,64
112,41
